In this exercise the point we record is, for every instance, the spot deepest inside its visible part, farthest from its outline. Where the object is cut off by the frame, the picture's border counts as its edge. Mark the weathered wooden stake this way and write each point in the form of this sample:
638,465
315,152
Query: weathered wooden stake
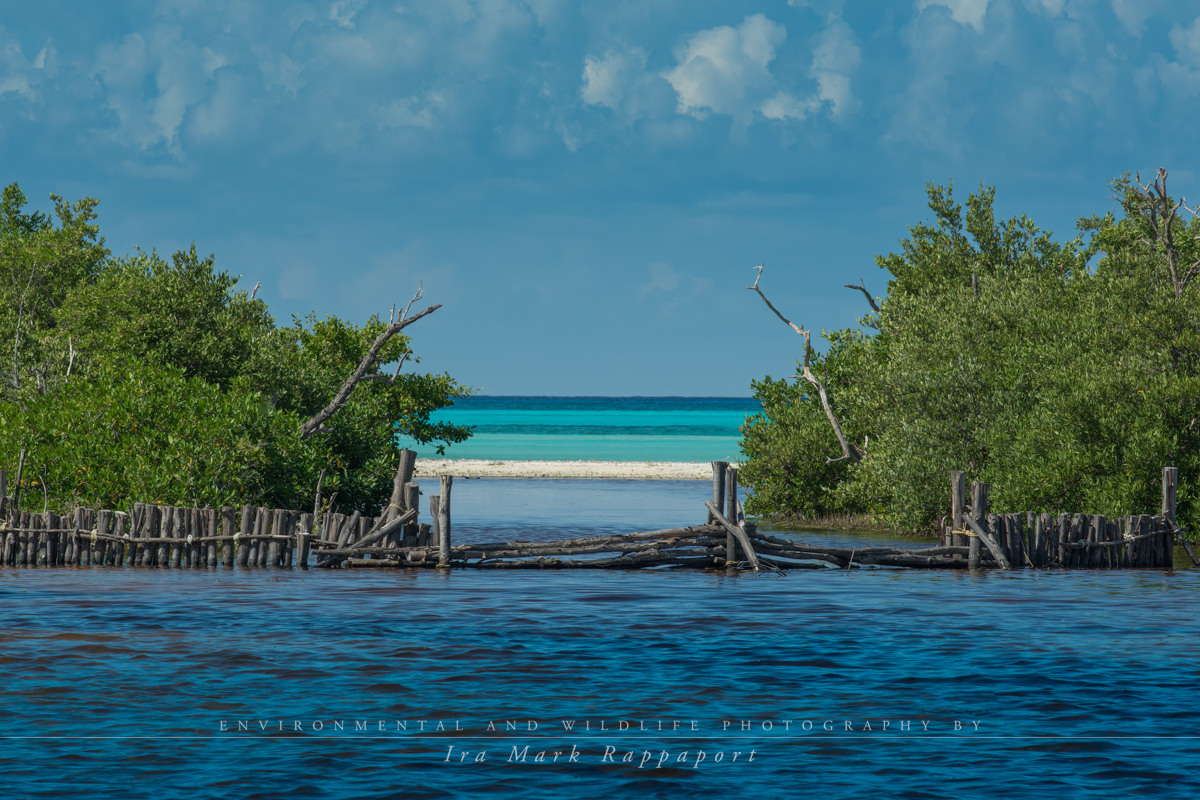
412,500
434,530
121,528
277,528
718,468
731,503
443,518
979,502
958,499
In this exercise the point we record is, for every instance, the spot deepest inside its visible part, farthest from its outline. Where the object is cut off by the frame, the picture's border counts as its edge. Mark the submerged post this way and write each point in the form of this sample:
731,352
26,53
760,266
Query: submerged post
958,496
443,519
718,468
979,502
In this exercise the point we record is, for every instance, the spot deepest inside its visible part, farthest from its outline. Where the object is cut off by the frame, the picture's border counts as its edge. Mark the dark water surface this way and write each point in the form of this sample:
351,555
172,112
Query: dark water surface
116,683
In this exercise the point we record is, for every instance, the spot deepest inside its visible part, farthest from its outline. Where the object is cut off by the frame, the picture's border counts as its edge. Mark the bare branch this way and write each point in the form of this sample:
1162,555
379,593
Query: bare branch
1160,213
315,424
71,363
849,451
317,500
256,287
863,289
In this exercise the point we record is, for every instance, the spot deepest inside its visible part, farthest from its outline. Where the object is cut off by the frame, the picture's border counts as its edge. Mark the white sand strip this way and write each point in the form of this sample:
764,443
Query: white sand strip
479,468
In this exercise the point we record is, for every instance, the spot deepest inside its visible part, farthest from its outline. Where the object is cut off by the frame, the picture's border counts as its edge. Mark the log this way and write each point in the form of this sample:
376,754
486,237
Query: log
445,482
986,539
737,532
404,475
228,546
331,558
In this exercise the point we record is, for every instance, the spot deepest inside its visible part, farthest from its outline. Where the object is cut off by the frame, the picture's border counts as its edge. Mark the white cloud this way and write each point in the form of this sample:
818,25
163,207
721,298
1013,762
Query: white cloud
180,72
1133,14
724,70
964,12
343,11
662,278
1186,42
606,79
1183,76
837,55
19,75
412,111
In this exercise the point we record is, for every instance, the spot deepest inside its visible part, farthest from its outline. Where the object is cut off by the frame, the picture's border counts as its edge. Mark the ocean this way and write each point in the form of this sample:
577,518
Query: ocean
597,428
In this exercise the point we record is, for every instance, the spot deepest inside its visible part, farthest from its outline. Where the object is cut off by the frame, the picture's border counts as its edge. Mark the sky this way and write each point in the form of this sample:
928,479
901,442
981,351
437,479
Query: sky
585,186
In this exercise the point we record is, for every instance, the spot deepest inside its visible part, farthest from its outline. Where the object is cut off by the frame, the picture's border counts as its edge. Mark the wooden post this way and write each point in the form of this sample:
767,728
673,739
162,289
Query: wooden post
412,500
119,530
404,475
83,547
228,547
718,469
1170,485
435,537
3,494
243,544
958,499
149,526
979,504
212,522
277,528
731,545
445,482
303,538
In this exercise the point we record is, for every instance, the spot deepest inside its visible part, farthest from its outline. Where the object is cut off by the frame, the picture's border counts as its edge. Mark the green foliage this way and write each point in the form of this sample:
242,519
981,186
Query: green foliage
143,379
140,433
999,351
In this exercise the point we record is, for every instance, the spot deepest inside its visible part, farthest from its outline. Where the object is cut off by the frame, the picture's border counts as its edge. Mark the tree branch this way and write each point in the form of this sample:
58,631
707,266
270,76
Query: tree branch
314,425
849,451
863,289
1160,214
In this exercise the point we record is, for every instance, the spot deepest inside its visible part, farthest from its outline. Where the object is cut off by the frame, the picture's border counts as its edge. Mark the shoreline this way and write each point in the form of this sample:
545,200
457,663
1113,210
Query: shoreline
615,470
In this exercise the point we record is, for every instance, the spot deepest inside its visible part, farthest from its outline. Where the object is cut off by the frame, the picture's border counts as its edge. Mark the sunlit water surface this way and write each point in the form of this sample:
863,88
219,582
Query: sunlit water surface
117,682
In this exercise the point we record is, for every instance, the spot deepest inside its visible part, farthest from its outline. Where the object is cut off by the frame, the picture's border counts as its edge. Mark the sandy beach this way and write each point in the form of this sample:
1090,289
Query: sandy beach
478,468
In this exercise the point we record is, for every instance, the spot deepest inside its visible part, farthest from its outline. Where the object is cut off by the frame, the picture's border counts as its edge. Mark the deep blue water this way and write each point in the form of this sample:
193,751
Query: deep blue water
116,682
597,428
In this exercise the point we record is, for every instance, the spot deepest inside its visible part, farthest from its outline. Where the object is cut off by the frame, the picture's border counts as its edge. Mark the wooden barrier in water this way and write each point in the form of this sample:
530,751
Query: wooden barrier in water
176,537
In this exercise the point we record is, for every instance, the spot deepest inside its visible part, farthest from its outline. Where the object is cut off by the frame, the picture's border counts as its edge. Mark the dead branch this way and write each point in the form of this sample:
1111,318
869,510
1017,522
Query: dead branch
360,373
863,289
256,287
1161,213
849,451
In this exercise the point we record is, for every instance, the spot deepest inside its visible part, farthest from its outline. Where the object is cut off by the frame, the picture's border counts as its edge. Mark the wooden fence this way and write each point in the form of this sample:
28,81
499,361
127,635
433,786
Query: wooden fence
177,537
1070,540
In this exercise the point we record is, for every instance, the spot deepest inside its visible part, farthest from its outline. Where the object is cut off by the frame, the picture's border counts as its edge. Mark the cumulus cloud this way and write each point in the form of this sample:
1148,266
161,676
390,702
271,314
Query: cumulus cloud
20,76
1182,77
607,79
835,57
179,70
964,12
724,70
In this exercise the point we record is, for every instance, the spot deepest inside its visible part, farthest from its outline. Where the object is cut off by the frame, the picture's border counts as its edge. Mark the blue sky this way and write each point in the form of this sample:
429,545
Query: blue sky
585,185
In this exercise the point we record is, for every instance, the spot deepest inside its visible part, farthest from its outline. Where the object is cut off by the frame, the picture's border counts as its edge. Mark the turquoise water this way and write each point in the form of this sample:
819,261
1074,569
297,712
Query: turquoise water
597,428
